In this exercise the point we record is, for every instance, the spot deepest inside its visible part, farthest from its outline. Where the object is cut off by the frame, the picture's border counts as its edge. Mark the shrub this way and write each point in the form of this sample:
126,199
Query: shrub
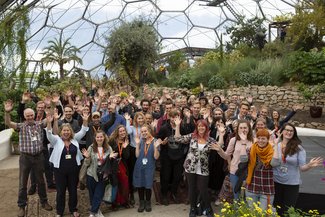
185,81
217,82
306,67
252,78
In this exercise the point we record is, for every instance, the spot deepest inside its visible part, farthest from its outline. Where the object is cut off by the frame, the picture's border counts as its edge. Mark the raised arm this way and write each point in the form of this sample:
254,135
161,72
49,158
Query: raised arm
8,108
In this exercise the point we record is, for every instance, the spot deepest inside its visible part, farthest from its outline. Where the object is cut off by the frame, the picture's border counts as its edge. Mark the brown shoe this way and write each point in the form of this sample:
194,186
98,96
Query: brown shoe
21,212
47,206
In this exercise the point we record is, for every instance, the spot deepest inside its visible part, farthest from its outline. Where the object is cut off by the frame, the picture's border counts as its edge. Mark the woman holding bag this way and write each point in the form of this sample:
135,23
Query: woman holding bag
95,157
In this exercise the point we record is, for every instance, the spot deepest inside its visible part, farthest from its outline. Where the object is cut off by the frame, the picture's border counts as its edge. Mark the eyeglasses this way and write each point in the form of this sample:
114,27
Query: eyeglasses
289,131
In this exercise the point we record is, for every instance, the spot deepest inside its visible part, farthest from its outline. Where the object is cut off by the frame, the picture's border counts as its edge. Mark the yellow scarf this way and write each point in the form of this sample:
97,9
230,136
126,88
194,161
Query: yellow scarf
265,154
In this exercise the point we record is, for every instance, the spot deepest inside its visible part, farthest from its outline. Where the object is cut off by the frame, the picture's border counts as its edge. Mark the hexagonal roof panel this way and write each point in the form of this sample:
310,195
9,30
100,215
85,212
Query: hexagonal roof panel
178,23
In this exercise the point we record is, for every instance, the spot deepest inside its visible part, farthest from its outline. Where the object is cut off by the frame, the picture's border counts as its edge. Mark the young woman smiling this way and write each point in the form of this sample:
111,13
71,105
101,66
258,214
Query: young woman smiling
292,157
96,155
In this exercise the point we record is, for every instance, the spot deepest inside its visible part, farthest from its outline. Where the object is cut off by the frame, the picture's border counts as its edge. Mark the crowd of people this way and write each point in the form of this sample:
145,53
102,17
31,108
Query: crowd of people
217,145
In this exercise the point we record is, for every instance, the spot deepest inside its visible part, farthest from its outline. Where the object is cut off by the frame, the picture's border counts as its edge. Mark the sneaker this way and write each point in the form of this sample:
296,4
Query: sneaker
91,215
47,206
21,212
99,214
217,203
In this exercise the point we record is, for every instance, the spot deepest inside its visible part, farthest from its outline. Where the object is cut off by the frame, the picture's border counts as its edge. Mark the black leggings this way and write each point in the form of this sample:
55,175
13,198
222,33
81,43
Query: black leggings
141,193
285,197
198,185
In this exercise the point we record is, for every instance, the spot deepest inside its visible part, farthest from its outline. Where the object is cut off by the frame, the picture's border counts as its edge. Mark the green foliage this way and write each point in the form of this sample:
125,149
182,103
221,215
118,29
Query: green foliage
185,81
252,78
250,32
217,82
306,67
60,52
13,33
133,47
14,137
307,28
155,76
174,61
276,49
312,93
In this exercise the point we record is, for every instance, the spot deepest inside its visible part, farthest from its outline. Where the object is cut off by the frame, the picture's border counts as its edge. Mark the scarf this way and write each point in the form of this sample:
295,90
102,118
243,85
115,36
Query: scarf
265,154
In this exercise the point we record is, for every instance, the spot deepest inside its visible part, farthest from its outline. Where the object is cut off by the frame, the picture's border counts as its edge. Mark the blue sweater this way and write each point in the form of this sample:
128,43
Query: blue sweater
120,120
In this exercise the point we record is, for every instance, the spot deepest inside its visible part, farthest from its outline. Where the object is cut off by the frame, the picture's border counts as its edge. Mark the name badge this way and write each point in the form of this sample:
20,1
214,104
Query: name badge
284,169
34,138
144,161
68,156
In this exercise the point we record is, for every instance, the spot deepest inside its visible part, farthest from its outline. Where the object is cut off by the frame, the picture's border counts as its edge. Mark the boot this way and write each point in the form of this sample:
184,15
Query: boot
132,202
141,206
192,212
148,206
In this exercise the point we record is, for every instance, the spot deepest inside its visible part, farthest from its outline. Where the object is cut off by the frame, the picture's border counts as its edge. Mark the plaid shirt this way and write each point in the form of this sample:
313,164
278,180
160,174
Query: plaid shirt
262,180
30,137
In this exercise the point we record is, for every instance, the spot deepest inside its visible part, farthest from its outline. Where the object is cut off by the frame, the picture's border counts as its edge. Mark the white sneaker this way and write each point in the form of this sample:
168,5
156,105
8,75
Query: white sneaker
91,215
99,214
217,203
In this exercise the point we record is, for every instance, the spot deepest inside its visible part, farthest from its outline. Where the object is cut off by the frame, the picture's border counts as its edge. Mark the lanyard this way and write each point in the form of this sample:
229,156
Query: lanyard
146,148
67,147
100,155
120,149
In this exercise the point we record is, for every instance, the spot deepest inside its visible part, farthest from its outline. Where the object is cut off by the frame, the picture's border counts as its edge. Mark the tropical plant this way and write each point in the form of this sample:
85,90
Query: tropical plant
306,67
13,33
312,93
306,30
132,47
60,52
250,32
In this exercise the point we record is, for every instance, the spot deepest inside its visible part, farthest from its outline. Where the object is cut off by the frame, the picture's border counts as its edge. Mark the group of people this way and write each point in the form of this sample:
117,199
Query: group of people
217,145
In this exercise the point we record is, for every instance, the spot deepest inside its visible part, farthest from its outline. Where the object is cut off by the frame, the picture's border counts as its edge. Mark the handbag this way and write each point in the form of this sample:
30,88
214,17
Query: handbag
110,193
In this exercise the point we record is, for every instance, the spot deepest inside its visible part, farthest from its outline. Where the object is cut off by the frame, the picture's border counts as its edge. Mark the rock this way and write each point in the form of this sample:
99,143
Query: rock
315,124
301,125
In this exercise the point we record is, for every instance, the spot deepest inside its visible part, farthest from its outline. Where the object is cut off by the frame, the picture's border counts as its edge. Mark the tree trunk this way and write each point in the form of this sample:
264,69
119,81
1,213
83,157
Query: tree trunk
61,71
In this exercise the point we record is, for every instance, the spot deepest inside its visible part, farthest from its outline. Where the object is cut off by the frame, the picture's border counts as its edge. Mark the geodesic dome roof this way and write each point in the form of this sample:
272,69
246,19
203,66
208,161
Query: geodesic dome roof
179,23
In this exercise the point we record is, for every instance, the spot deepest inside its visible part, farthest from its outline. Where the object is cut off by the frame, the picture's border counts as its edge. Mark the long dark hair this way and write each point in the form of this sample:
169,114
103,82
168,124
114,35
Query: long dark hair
250,132
292,146
105,143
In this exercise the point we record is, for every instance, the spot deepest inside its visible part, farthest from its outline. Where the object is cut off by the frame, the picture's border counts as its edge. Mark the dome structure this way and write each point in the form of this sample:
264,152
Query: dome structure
179,24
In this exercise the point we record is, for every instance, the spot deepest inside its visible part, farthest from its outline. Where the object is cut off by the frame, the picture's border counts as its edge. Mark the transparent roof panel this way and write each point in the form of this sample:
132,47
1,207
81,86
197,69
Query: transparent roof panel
179,23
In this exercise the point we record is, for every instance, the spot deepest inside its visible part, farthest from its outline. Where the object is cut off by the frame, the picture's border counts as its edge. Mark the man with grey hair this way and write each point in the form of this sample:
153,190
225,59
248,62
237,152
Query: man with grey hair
31,155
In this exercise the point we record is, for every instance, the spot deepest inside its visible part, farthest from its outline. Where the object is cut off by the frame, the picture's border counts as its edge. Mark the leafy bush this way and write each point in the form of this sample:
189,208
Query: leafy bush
217,82
306,67
252,78
185,81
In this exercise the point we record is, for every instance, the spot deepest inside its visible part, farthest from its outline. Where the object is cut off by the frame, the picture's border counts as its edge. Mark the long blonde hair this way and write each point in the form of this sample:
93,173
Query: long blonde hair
70,128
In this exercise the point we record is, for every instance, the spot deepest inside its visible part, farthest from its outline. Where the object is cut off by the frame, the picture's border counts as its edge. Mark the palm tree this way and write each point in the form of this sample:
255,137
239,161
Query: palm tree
60,52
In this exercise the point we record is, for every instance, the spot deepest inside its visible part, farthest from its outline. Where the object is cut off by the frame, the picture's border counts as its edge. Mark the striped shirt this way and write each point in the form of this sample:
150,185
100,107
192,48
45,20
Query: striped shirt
262,180
30,137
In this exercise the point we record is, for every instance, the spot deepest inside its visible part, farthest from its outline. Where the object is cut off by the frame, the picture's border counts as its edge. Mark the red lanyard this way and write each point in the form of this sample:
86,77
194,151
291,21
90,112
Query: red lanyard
146,148
120,148
67,147
100,155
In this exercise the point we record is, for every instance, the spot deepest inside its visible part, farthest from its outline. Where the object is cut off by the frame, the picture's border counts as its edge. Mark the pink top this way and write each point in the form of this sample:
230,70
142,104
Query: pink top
236,152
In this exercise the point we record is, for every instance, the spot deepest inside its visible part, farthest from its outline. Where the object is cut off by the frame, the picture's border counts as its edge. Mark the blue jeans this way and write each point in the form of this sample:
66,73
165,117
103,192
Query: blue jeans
96,193
233,181
265,200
